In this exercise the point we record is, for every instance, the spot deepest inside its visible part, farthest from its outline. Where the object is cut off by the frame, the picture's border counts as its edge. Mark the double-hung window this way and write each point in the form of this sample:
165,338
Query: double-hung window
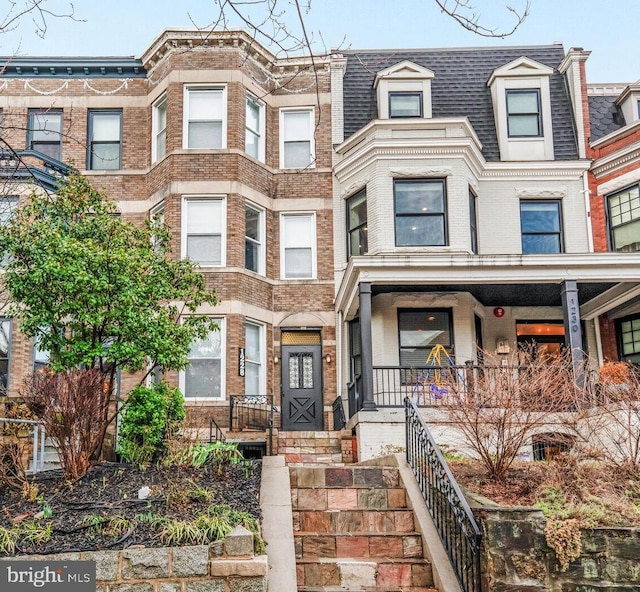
298,246
420,212
254,129
203,230
204,377
473,221
420,330
105,140
205,124
524,116
254,239
5,351
254,383
624,220
629,337
297,150
8,205
405,104
159,128
541,227
45,132
357,223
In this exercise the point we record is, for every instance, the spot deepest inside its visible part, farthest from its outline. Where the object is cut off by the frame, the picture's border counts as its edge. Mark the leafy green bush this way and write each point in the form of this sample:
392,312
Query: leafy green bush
151,416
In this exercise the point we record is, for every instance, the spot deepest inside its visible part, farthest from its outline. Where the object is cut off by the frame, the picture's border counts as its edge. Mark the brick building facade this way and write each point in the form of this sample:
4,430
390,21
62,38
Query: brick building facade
232,147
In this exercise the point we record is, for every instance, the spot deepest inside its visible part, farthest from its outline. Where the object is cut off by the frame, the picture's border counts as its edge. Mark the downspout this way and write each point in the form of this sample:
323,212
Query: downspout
587,206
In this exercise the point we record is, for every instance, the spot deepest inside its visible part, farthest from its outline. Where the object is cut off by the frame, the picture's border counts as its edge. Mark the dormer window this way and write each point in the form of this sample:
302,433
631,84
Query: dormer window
521,96
629,103
524,119
405,104
404,90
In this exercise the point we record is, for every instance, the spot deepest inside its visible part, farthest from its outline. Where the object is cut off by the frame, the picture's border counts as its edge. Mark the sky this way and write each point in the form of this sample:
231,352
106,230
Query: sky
607,28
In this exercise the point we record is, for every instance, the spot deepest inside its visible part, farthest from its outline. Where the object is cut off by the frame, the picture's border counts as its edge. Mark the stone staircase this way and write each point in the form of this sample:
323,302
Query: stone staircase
316,447
353,531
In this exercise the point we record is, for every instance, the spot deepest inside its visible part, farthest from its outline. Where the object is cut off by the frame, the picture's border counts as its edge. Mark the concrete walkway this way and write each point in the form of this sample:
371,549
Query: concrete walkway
277,524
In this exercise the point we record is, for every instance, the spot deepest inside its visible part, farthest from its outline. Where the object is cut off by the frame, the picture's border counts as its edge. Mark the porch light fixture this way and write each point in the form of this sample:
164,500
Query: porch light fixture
275,359
498,311
328,358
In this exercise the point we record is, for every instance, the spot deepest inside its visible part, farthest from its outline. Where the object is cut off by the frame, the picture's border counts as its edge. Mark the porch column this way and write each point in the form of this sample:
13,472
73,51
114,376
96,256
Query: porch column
572,328
364,294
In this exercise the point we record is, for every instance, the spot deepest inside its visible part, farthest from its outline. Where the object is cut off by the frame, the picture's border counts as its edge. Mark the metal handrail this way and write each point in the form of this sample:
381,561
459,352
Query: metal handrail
215,432
339,420
39,436
447,505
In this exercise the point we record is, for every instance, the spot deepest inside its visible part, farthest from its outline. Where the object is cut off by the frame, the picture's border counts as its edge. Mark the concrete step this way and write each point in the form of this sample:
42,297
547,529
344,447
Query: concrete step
353,521
360,574
390,546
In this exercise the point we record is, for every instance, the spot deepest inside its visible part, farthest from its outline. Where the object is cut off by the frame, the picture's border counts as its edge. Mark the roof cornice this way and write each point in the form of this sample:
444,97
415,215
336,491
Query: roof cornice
71,67
171,40
619,133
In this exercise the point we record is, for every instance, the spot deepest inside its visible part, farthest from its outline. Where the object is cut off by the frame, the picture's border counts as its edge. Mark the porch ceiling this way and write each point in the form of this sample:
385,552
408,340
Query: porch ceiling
504,294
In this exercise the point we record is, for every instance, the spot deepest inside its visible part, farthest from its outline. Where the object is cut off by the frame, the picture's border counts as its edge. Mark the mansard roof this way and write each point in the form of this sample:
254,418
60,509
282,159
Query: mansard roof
604,115
459,89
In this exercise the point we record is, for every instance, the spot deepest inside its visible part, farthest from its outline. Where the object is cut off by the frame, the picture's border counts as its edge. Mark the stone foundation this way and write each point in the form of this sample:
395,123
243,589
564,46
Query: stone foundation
516,557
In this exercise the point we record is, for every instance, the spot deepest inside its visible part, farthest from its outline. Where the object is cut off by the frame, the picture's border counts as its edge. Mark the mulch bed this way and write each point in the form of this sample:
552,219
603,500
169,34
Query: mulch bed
111,489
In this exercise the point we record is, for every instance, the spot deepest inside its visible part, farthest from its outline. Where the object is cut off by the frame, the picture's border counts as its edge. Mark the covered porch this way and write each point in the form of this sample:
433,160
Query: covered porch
394,311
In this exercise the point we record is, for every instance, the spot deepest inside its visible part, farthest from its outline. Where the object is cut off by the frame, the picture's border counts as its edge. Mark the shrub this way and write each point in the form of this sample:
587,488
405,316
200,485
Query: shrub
151,416
72,405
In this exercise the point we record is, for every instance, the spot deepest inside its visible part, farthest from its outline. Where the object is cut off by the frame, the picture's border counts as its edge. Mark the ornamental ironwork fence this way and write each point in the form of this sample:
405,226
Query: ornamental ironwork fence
451,514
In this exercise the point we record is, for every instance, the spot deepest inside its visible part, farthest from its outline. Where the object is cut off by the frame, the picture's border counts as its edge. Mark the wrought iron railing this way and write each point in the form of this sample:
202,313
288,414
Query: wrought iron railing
451,514
38,435
354,400
215,432
426,386
252,412
339,420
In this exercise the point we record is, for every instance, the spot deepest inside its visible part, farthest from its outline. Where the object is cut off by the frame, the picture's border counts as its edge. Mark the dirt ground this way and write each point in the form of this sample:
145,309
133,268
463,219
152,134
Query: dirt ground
107,496
606,493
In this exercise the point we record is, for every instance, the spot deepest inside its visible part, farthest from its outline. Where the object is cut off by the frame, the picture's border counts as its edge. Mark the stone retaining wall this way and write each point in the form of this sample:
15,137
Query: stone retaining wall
516,557
218,567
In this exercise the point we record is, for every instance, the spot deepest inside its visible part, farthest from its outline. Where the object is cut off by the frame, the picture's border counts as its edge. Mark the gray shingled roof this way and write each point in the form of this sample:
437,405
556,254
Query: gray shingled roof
459,89
604,115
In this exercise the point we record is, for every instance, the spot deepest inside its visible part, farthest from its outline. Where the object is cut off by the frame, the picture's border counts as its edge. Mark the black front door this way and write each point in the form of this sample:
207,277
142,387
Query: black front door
302,408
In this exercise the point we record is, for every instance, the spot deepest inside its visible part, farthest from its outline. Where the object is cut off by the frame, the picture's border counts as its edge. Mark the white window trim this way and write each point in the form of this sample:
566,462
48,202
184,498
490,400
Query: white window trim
312,140
183,230
314,247
263,237
154,127
185,113
261,125
262,383
223,368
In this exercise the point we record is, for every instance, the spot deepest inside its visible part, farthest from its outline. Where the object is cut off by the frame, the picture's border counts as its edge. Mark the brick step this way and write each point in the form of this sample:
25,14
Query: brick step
359,574
348,499
327,447
349,476
353,521
360,546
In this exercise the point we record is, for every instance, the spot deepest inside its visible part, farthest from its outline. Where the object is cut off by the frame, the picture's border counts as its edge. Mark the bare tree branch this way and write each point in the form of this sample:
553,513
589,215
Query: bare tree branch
37,10
465,14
